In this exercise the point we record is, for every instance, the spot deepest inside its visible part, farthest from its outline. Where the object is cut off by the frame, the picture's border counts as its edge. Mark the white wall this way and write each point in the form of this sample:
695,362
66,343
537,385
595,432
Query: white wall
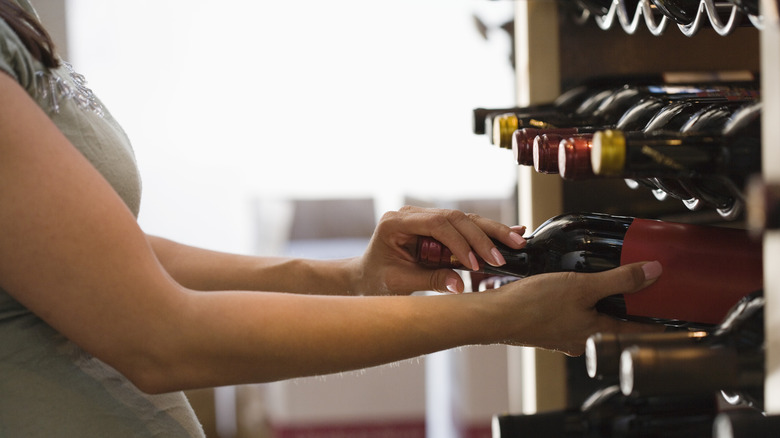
227,101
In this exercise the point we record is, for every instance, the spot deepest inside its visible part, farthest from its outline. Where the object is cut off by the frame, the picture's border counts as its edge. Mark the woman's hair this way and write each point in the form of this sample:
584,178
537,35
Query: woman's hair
30,31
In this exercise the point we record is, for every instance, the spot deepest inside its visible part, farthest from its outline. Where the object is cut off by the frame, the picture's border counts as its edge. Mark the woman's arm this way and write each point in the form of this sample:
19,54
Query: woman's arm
387,267
72,253
207,270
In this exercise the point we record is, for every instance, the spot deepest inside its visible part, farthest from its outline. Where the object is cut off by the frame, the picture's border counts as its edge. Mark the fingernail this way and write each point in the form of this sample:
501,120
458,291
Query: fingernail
473,261
452,285
652,270
517,238
498,259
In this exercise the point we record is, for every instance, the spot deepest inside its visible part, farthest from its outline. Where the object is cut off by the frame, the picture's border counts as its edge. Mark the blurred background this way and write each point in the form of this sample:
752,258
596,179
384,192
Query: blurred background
288,128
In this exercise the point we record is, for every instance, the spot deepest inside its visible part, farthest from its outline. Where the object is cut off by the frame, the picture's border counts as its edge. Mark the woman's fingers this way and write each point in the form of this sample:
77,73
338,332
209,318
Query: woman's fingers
466,235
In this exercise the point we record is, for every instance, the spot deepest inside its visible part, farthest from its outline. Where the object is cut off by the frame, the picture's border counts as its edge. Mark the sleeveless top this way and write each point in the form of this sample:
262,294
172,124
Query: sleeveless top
49,387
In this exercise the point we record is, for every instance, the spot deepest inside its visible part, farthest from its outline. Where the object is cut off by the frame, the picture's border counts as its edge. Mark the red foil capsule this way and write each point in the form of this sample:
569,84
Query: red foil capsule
574,157
523,142
546,152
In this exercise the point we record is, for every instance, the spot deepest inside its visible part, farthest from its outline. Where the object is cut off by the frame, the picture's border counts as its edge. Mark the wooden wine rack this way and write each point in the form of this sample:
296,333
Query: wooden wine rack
554,48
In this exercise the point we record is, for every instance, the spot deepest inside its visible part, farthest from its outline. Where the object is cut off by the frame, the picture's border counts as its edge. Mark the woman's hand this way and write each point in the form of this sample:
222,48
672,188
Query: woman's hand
556,311
389,267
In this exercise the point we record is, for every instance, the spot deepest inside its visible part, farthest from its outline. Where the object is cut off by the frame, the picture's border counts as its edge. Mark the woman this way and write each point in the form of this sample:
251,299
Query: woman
96,316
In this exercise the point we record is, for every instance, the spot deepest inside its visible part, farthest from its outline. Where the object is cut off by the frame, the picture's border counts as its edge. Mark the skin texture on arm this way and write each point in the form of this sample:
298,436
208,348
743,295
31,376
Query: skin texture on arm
387,267
72,253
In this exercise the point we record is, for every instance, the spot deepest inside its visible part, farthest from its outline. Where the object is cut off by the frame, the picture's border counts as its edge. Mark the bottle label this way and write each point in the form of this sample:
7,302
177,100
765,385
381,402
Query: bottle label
706,270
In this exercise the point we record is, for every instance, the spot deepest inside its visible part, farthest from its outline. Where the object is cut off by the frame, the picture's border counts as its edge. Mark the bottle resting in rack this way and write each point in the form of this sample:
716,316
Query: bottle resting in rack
635,118
706,269
575,161
602,350
736,150
607,106
731,360
609,414
545,144
742,327
569,100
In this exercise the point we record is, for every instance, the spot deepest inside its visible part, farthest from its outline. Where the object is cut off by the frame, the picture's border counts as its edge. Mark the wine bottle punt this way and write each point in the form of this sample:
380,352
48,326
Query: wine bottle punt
707,269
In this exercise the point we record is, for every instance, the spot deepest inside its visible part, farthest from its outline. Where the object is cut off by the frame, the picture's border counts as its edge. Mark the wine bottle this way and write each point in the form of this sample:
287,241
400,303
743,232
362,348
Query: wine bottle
680,11
667,111
566,102
741,327
695,287
574,97
731,360
574,157
674,370
523,141
685,12
609,414
574,164
736,150
546,152
721,193
547,141
605,107
602,350
574,160
745,423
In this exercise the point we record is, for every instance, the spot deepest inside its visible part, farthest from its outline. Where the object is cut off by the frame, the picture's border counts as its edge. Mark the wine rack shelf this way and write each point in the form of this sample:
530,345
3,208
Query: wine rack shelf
722,17
560,42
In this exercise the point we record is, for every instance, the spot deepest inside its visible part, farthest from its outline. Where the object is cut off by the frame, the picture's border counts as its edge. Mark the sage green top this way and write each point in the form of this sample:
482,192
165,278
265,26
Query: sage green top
49,387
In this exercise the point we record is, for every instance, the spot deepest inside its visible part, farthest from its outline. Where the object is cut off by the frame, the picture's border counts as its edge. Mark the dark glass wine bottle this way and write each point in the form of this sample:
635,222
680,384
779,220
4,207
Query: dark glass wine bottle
606,107
566,102
574,159
668,111
523,141
685,12
546,142
736,150
741,327
723,194
680,11
731,360
650,114
609,414
695,287
602,350
745,423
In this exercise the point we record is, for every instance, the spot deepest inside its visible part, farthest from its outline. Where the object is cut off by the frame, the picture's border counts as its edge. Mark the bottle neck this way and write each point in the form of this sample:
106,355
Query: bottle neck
432,253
